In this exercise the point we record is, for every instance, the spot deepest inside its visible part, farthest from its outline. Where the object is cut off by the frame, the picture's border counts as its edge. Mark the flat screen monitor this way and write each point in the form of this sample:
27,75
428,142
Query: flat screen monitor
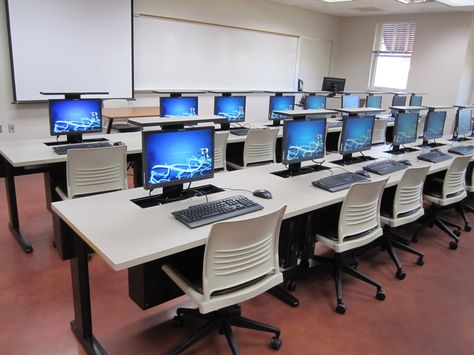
230,107
315,102
178,106
74,117
356,134
350,101
173,157
415,100
405,129
333,84
303,140
399,100
280,103
434,125
374,101
463,123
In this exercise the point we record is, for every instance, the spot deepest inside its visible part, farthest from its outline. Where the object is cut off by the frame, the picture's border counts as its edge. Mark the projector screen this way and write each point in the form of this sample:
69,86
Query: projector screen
71,46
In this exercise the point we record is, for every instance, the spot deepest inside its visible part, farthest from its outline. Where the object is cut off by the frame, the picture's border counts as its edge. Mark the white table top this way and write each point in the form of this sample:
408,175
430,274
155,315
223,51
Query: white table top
300,113
360,110
438,107
408,108
126,235
185,120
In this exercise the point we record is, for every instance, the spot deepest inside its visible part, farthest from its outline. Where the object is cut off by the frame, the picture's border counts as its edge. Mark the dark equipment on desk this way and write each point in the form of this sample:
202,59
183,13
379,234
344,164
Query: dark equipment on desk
263,194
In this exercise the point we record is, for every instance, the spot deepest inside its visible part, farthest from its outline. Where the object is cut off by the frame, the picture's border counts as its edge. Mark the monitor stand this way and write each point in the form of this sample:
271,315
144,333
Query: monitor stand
295,169
396,150
173,194
348,159
428,145
459,139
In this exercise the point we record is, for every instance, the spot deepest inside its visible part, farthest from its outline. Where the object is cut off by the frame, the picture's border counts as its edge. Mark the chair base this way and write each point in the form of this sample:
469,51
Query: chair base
463,209
432,219
339,266
222,320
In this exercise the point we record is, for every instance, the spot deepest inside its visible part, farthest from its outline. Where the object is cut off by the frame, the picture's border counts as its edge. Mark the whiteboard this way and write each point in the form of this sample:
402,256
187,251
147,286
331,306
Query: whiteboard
71,46
173,54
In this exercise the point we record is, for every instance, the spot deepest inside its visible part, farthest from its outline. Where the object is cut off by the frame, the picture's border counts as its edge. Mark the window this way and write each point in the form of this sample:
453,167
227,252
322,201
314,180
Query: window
391,57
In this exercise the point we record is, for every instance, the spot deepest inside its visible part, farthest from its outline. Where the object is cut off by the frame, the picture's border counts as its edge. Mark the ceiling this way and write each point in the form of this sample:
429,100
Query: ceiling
371,7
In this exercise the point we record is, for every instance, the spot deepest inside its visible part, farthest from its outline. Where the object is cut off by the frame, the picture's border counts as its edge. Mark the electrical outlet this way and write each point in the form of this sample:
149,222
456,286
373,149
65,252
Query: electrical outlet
11,128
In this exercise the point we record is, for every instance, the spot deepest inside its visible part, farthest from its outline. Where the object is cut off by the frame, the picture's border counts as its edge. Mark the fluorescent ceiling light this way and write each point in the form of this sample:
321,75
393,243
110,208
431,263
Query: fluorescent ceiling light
457,2
336,0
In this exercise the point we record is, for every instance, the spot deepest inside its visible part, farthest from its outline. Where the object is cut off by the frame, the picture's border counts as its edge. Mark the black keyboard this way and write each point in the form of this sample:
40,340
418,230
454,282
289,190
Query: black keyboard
462,150
214,211
384,167
434,157
239,131
62,149
338,182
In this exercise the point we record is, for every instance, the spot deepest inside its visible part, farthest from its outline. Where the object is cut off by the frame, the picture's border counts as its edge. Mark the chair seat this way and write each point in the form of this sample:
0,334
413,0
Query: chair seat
437,199
331,240
386,217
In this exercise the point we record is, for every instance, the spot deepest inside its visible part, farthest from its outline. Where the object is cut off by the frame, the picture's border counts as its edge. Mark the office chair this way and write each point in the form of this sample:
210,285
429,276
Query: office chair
444,192
358,225
259,147
220,150
95,170
240,262
120,125
464,207
401,205
378,134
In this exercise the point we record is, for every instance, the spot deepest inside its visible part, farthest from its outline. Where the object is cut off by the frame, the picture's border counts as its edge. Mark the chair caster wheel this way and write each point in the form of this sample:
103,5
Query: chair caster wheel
467,228
420,261
380,295
291,286
453,245
341,308
457,232
178,321
400,275
275,343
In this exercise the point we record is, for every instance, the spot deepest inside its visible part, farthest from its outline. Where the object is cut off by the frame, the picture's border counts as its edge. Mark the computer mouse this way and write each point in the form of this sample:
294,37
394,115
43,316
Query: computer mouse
119,143
263,194
363,173
405,161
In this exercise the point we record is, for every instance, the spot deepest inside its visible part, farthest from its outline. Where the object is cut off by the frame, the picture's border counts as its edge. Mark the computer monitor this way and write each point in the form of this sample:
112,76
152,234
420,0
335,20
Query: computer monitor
374,101
334,85
178,106
74,117
177,156
399,100
349,101
315,102
415,100
463,124
230,107
356,136
405,129
280,103
434,126
303,140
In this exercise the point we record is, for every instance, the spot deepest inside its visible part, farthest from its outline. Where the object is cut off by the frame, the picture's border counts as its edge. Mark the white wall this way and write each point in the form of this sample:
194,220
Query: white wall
31,119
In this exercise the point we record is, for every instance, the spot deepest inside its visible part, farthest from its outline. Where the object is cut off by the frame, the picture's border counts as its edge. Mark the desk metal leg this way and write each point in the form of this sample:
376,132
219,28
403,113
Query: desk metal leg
14,223
82,323
109,125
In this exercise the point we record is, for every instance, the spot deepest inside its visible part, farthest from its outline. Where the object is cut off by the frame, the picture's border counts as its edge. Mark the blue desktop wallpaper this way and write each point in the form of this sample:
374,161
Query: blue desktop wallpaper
406,127
415,100
434,125
230,107
178,106
464,122
177,155
356,134
315,102
350,101
75,116
280,103
399,100
374,101
303,140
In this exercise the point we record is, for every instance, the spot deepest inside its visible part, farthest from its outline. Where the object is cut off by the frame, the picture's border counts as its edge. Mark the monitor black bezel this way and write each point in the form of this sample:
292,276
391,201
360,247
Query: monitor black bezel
413,96
75,133
148,186
271,98
350,95
329,81
426,125
344,129
285,140
178,98
379,97
456,123
395,127
398,96
322,96
216,98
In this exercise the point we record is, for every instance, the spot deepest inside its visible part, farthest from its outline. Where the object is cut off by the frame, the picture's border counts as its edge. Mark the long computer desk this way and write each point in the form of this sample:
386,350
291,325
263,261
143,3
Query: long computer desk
112,113
141,240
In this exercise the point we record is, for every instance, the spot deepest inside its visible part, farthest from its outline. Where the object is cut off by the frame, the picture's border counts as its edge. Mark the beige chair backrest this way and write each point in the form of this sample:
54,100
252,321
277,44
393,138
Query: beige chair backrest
260,146
409,192
455,179
378,134
220,150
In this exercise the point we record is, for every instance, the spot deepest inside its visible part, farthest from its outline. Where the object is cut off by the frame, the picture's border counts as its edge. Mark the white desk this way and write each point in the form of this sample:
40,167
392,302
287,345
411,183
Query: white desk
360,110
